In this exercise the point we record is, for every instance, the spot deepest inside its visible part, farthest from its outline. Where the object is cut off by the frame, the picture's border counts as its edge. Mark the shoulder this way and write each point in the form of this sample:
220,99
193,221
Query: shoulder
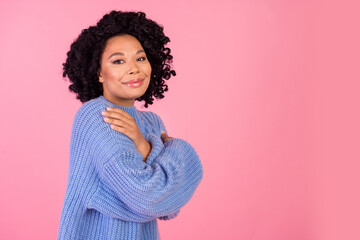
153,119
91,109
88,116
148,115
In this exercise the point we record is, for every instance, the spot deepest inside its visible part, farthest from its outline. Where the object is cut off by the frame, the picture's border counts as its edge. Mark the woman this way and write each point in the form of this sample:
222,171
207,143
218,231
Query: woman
125,172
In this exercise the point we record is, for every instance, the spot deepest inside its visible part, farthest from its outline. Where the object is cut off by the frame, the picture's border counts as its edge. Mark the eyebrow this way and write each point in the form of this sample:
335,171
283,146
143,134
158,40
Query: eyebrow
122,54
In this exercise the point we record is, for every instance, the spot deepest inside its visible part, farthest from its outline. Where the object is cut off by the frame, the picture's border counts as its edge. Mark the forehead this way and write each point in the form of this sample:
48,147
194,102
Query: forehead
122,43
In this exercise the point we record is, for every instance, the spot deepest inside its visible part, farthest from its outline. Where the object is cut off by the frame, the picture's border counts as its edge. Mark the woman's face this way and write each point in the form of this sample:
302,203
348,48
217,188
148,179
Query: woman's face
124,60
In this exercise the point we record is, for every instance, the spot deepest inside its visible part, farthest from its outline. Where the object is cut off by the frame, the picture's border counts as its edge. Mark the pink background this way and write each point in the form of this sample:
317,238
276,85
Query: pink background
267,92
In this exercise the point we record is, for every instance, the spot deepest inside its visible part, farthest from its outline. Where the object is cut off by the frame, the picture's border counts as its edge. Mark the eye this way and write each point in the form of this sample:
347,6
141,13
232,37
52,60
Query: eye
119,61
141,59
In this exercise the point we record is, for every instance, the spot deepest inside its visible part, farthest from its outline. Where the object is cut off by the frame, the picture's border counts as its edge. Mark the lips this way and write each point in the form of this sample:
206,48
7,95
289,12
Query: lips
137,80
135,83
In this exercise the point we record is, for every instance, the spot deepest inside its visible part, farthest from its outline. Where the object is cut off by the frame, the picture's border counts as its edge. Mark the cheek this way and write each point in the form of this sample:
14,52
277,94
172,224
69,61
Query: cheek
147,70
113,74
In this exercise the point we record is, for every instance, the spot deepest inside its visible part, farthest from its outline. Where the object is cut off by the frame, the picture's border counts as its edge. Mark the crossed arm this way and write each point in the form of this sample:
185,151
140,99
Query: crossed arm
122,122
132,189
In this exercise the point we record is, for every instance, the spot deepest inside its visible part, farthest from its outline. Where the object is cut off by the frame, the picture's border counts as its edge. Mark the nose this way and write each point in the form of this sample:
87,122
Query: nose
133,68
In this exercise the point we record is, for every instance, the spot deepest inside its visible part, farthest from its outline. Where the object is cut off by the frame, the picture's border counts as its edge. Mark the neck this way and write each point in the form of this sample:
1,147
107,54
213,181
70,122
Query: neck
124,103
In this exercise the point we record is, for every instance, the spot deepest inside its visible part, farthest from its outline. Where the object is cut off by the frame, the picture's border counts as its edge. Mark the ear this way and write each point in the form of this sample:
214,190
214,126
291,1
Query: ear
100,76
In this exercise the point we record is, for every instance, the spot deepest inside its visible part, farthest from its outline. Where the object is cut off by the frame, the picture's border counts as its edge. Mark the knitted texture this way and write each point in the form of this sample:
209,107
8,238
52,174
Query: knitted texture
111,193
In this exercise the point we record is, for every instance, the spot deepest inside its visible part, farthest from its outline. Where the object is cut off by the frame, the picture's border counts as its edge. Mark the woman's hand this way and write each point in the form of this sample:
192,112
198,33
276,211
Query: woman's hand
165,137
124,123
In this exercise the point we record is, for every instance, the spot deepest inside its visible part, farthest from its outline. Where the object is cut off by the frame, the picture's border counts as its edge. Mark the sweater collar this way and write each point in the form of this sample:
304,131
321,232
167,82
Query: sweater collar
130,110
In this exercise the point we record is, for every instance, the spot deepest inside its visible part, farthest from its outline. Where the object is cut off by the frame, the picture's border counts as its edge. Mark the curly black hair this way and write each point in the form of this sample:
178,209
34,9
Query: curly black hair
83,59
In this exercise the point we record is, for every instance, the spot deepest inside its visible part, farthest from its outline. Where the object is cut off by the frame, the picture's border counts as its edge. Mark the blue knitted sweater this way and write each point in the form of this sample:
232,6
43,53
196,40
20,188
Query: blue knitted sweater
111,193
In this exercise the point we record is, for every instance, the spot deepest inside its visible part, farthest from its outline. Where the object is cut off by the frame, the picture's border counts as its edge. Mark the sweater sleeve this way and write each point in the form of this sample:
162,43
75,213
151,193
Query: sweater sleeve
161,126
157,188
